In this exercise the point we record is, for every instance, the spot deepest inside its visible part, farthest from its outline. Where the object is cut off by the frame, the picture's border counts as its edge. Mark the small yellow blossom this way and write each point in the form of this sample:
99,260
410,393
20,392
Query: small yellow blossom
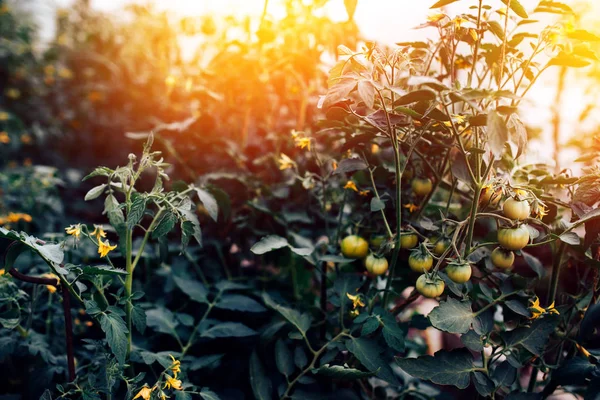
98,232
4,116
16,217
89,323
295,133
435,17
2,271
334,165
457,118
74,230
104,248
364,192
176,366
12,93
411,207
26,139
356,300
170,81
583,350
49,275
144,393
172,383
354,313
285,162
302,142
65,73
4,138
351,185
374,148
537,310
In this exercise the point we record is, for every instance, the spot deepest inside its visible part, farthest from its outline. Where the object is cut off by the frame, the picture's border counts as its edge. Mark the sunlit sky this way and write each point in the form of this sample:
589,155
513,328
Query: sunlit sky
389,21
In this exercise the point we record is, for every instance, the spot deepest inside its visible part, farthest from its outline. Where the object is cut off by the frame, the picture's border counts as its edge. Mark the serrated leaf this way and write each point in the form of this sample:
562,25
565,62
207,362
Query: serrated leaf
116,334
93,270
517,8
452,316
497,133
518,307
300,321
370,326
504,374
228,329
136,212
161,320
443,368
369,354
472,341
341,372
377,204
194,289
207,394
483,384
532,338
94,192
165,225
209,202
238,302
138,317
417,95
269,243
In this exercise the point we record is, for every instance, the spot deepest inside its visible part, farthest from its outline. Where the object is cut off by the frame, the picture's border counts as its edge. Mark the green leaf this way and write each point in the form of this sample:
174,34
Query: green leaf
483,384
210,361
300,321
116,334
138,206
452,316
269,243
179,395
517,8
99,171
443,3
94,192
187,231
300,358
207,394
209,202
497,133
565,59
261,385
417,95
161,320
377,204
165,225
518,307
369,354
504,374
341,372
350,165
238,302
93,270
570,238
370,326
138,317
532,338
472,340
284,358
443,368
574,371
228,329
194,289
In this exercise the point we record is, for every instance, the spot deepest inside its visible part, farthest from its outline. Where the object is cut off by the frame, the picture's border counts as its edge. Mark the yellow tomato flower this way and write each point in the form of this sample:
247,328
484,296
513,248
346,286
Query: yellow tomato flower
12,93
334,165
172,383
144,393
104,248
74,230
364,192
351,185
26,139
356,300
374,148
411,207
285,162
537,310
49,275
170,80
2,271
4,138
65,73
457,118
98,232
4,116
583,350
302,142
176,366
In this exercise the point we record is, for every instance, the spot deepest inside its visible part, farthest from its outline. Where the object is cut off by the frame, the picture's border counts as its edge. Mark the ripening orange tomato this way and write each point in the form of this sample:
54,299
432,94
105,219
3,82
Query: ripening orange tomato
354,246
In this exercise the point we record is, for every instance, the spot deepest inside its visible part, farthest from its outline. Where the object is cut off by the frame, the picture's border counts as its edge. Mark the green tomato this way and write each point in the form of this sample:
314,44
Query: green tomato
408,240
419,262
502,258
513,239
516,209
459,271
354,246
430,287
376,265
421,186
440,246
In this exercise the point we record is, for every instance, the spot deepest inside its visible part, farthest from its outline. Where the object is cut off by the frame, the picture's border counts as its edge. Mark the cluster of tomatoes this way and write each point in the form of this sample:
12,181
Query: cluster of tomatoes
422,256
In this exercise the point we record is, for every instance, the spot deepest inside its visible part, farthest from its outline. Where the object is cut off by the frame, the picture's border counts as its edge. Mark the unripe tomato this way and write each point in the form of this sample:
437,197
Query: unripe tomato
377,241
440,246
354,246
419,262
376,265
430,287
421,186
502,258
408,240
513,239
516,209
459,271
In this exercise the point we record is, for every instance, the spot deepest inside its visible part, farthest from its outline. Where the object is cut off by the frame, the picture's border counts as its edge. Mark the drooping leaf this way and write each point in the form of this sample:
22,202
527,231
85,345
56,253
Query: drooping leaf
209,202
341,372
228,329
116,334
138,206
472,340
194,289
165,225
443,368
284,358
238,302
260,382
350,165
516,7
504,374
300,321
161,320
95,192
369,354
532,338
442,3
497,133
